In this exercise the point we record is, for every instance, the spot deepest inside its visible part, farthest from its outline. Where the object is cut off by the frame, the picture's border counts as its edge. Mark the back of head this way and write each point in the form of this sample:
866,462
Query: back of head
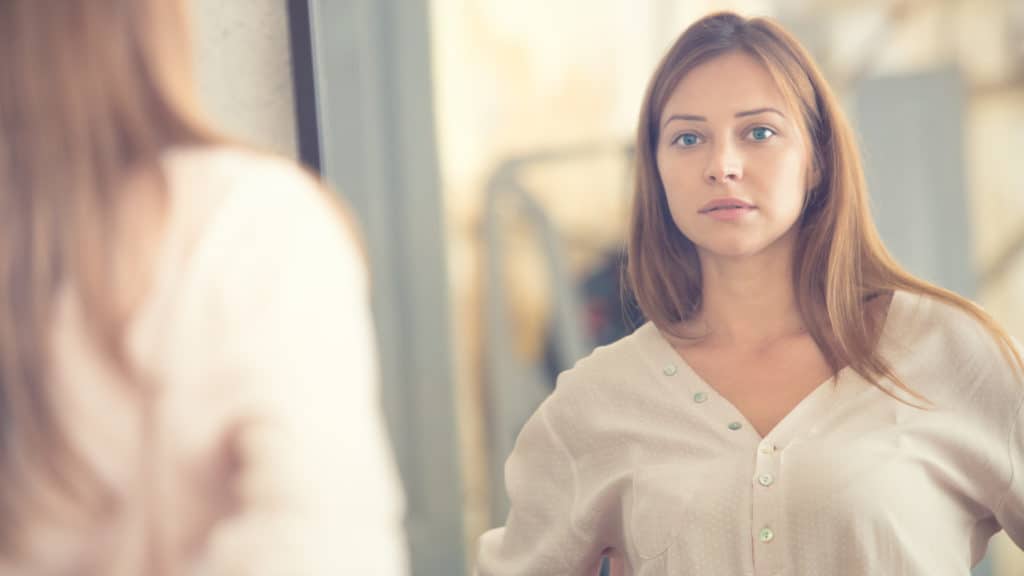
91,93
92,81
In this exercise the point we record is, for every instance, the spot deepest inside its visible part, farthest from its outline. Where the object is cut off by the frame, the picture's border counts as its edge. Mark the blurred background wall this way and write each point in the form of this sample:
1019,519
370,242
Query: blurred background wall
244,72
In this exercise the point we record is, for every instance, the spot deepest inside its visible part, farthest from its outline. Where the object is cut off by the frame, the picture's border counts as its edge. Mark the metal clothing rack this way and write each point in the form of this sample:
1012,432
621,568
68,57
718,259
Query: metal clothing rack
515,386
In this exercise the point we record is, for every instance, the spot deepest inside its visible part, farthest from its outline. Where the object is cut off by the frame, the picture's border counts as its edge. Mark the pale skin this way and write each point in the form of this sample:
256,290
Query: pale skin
728,132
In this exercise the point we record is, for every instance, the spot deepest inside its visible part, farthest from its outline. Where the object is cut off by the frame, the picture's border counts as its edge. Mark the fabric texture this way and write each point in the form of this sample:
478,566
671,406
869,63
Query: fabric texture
634,455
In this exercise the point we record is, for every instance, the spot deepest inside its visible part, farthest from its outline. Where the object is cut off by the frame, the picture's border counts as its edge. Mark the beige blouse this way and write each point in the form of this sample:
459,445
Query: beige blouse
634,454
267,454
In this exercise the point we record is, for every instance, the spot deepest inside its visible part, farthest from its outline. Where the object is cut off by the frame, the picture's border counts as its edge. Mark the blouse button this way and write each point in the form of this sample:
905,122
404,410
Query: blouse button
700,397
735,425
766,480
670,370
767,535
767,448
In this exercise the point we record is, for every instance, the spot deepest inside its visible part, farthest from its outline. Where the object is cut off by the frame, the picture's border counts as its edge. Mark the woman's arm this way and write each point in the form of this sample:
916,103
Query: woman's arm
1010,510
540,537
316,484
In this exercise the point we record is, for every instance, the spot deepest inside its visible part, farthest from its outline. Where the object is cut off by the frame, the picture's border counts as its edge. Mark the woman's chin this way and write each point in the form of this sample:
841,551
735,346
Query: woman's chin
740,245
730,250
738,248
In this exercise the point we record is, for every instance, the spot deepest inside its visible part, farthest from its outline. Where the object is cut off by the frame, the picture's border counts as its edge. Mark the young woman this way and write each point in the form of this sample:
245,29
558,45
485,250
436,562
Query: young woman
797,404
187,377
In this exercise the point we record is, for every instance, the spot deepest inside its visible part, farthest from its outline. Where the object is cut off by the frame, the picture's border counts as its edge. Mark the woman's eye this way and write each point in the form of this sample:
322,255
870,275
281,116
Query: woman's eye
688,139
762,133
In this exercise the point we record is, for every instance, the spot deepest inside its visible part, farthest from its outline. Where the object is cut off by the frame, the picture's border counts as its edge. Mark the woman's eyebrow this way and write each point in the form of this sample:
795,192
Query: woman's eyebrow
696,118
691,117
757,111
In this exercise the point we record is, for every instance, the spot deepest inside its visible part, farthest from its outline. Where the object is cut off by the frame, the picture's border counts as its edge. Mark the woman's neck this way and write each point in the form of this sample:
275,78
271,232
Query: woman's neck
748,302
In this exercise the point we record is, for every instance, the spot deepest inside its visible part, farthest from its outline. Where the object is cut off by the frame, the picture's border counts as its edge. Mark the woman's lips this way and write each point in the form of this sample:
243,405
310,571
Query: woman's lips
727,208
728,212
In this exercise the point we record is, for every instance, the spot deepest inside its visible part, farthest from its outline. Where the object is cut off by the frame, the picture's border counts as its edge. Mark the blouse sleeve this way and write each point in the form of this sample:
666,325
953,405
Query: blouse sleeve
1010,512
539,537
316,483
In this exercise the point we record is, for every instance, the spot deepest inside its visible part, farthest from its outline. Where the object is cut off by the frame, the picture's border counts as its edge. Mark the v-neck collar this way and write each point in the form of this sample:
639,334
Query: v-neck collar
799,419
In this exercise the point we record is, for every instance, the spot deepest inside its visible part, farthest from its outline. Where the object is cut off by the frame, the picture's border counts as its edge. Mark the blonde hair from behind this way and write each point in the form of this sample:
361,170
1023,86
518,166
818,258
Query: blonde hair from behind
92,92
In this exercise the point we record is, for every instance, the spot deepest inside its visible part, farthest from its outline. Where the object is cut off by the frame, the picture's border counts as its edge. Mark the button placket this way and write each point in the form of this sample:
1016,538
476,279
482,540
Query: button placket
671,369
699,397
767,530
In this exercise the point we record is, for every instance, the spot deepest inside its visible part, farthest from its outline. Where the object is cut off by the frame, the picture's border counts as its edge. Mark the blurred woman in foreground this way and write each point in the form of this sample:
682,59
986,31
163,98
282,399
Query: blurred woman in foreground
187,370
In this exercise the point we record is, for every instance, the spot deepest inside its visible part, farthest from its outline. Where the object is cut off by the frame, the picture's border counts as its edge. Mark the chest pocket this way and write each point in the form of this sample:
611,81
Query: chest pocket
662,499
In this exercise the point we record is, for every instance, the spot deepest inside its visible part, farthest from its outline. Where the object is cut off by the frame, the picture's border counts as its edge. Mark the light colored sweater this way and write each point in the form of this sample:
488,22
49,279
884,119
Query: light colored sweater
635,454
269,454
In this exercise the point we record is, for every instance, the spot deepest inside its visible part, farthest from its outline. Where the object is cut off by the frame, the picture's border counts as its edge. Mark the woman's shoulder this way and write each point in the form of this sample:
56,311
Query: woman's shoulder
222,156
923,329
951,331
245,230
623,357
615,376
247,192
215,170
236,217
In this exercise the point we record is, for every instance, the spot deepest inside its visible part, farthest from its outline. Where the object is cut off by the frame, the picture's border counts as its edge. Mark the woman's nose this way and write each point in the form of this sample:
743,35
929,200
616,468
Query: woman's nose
723,166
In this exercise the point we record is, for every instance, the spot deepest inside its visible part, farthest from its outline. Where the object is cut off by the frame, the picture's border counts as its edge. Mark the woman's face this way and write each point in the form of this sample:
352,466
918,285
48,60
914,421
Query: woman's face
732,158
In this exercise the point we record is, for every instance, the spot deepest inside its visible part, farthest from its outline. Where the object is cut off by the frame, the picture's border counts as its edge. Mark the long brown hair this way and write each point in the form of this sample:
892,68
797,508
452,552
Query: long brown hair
92,92
840,263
